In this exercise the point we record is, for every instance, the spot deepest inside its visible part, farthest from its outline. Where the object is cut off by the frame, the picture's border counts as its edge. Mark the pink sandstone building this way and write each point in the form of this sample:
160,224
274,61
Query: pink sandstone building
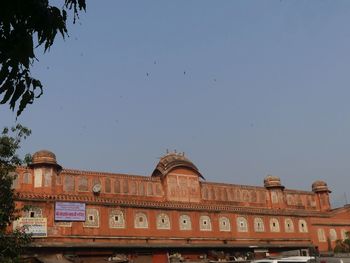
94,216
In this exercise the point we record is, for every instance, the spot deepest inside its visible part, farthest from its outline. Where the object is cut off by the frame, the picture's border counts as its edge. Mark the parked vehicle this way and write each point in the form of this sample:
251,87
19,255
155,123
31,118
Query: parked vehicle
296,259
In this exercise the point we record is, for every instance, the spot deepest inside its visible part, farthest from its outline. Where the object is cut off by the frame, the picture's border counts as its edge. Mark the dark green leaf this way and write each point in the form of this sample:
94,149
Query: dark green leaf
8,94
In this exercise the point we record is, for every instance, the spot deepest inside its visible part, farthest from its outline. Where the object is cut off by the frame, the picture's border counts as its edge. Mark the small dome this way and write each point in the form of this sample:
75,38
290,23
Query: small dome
44,157
271,181
171,161
320,186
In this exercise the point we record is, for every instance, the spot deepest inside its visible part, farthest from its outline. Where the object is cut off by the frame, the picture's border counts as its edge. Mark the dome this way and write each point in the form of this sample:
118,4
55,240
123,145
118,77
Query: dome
271,181
44,157
171,161
320,186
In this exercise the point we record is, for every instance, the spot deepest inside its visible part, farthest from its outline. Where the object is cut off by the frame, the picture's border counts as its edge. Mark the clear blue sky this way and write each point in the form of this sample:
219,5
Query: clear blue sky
244,88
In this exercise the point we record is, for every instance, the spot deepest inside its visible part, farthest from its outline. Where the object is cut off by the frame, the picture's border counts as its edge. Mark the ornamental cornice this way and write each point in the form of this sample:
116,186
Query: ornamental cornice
292,191
107,174
248,187
166,205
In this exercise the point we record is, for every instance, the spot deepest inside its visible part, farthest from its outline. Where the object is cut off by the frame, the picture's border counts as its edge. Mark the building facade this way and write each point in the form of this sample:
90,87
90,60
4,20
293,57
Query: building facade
94,215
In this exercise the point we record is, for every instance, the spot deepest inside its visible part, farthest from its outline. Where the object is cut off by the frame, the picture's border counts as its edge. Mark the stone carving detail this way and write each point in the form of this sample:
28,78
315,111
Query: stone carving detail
47,177
58,179
116,219
333,234
68,183
38,177
299,200
183,187
302,226
211,194
217,193
149,188
159,189
92,218
259,225
242,224
224,195
288,225
224,224
163,221
321,235
140,220
205,193
290,199
274,197
274,225
253,197
233,193
107,185
117,186
185,222
204,223
83,184
27,178
96,181
141,188
125,186
133,188
246,196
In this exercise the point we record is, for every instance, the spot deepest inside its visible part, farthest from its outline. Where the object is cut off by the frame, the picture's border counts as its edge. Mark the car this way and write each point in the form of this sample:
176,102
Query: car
296,259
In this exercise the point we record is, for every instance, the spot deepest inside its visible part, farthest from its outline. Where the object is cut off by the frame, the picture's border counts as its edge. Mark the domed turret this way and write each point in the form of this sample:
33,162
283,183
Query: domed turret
171,161
320,186
271,181
44,157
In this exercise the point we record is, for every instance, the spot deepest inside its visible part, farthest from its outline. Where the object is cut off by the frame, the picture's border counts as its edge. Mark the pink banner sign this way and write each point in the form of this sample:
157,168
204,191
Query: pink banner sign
67,211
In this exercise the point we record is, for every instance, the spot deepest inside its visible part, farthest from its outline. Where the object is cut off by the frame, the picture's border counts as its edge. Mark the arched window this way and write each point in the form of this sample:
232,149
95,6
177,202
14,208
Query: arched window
140,220
224,224
242,224
116,219
92,218
34,211
274,225
288,225
302,226
163,221
259,225
333,234
185,222
204,223
321,235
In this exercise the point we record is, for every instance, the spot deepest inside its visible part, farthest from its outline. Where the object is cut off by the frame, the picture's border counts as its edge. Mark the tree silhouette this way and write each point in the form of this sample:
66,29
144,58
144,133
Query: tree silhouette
24,26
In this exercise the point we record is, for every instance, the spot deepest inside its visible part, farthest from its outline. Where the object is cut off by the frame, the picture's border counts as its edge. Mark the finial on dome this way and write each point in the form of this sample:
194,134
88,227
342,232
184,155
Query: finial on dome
174,160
